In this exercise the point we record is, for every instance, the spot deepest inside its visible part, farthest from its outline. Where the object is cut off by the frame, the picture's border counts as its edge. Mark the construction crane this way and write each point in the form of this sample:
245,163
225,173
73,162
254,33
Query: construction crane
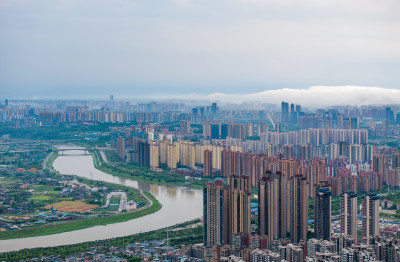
270,119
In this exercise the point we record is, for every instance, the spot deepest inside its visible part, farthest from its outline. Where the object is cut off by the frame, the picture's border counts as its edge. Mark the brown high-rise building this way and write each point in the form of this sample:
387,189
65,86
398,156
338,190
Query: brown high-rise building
258,170
322,211
207,163
396,160
262,128
288,151
298,208
239,205
237,130
315,173
348,214
227,162
226,210
272,206
142,152
215,212
380,164
184,126
289,167
248,164
120,147
369,181
370,216
393,177
238,163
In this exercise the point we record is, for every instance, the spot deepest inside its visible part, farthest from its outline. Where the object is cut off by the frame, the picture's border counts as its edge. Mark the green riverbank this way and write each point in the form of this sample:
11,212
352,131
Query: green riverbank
145,174
50,160
81,224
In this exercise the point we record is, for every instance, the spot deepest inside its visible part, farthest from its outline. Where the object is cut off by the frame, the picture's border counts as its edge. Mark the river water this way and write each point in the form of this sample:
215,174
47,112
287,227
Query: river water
179,204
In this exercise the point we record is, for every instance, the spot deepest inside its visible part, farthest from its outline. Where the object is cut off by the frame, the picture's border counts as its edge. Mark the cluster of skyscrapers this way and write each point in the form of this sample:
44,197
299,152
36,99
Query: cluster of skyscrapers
282,214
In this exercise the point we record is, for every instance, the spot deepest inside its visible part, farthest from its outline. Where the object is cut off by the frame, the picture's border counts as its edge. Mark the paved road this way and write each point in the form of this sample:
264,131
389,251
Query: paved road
103,156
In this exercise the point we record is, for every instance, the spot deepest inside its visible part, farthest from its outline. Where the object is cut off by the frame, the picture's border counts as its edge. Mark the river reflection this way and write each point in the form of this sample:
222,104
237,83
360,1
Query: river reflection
179,204
172,191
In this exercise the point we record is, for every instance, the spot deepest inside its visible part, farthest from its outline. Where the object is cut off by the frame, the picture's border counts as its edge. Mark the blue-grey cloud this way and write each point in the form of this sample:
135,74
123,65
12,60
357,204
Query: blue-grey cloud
51,48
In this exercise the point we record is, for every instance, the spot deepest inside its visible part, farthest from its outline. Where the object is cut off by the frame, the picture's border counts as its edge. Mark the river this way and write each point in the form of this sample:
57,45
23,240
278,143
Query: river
179,204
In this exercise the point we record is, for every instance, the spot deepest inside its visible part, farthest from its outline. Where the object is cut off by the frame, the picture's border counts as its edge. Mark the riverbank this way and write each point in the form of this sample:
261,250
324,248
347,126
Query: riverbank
152,205
182,233
50,160
81,224
144,174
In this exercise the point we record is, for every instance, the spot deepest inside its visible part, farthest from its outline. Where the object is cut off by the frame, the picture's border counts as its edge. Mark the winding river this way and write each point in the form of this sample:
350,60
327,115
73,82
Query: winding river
179,204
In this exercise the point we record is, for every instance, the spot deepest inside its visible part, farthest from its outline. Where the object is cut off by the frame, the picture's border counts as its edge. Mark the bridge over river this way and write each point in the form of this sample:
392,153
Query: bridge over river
86,150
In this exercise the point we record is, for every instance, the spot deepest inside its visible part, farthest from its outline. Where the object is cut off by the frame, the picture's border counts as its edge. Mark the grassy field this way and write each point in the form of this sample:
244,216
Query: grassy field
42,188
71,206
56,193
113,205
40,198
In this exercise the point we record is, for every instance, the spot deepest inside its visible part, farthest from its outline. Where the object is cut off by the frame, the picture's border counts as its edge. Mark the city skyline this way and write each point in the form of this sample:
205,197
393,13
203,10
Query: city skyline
312,97
200,131
289,185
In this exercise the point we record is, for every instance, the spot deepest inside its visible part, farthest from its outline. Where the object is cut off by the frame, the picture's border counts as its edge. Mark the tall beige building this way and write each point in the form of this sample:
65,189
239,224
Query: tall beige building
163,152
216,155
186,153
216,152
235,148
199,154
348,214
154,155
172,156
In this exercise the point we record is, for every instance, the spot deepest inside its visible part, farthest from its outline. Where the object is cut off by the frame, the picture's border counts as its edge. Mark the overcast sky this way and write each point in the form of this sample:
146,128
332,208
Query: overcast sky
94,48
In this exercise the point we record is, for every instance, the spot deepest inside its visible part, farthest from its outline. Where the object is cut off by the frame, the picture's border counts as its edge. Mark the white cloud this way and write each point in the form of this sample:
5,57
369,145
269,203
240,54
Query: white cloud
318,96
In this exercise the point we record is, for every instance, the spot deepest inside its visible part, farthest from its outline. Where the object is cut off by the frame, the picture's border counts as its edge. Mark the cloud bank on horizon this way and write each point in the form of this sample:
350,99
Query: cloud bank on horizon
318,96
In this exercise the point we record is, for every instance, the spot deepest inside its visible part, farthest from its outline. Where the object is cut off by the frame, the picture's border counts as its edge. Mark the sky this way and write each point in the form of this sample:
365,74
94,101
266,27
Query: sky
216,49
